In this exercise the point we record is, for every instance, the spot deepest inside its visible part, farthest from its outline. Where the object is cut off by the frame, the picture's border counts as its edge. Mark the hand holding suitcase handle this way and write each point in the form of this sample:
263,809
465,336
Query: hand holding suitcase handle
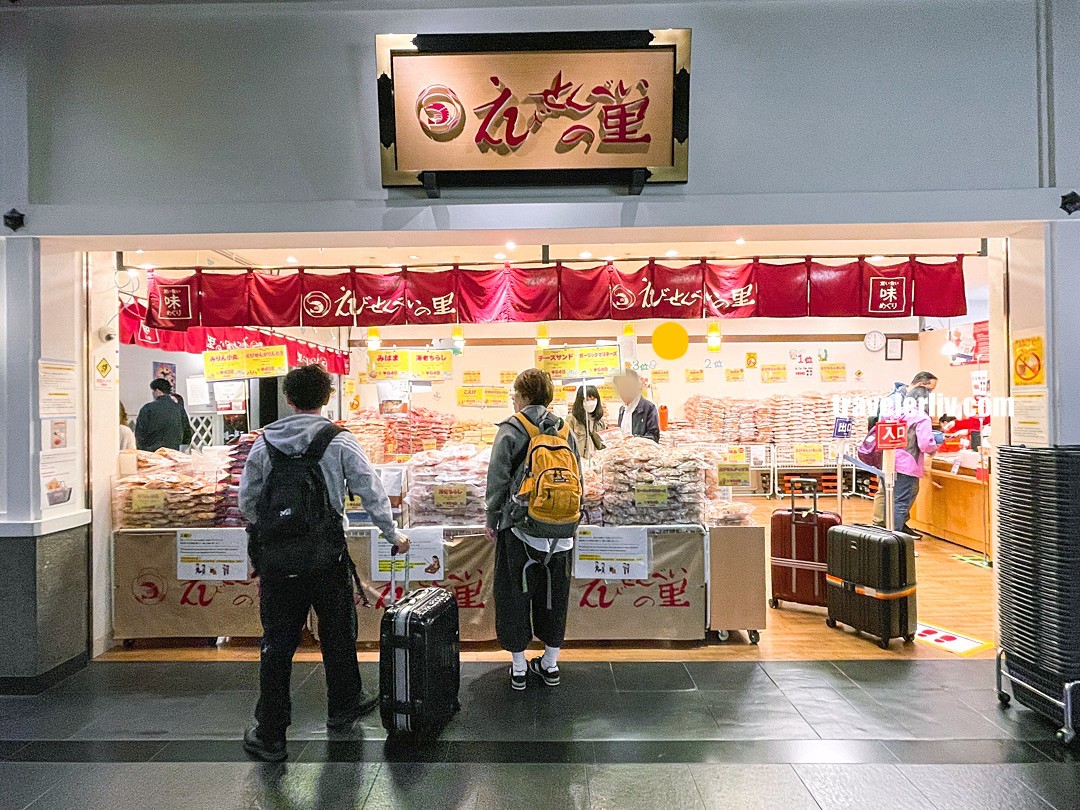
394,550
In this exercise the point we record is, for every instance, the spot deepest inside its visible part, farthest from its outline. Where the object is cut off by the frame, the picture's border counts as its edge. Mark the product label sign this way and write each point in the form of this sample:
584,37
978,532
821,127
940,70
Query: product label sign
833,372
842,427
507,377
214,554
450,496
495,396
470,396
809,455
147,500
471,377
661,375
651,495
774,373
733,475
734,375
695,375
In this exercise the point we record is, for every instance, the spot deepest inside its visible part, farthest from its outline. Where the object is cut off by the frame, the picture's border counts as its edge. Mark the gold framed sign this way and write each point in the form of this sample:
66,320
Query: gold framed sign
576,108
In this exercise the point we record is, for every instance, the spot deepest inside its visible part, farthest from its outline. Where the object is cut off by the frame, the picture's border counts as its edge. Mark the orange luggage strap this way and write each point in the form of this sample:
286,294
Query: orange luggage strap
873,593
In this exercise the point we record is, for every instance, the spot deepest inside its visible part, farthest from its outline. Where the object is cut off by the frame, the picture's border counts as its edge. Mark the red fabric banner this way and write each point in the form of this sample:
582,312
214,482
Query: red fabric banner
534,295
629,291
939,289
224,299
483,295
730,291
431,297
380,299
327,299
172,303
274,300
677,291
781,290
886,291
835,290
584,294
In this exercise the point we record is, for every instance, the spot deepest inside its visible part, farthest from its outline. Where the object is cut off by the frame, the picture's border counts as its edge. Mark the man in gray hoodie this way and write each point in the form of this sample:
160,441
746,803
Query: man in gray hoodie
285,599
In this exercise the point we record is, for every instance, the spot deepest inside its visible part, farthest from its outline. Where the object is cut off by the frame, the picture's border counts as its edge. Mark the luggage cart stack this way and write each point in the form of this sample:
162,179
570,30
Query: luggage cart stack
1039,582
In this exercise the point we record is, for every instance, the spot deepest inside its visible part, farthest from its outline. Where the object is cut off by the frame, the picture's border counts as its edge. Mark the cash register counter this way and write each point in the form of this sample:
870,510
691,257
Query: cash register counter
698,580
954,504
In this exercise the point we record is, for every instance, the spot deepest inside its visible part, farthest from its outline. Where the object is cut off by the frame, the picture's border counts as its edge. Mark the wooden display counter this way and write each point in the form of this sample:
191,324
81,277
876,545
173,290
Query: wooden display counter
953,506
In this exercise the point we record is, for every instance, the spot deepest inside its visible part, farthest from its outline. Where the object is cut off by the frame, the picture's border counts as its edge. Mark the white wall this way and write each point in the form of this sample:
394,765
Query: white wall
261,117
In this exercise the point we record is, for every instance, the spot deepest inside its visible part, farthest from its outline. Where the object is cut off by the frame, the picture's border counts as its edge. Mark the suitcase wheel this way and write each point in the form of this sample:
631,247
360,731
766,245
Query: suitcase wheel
755,636
774,603
1004,698
883,643
910,637
830,623
1065,736
722,635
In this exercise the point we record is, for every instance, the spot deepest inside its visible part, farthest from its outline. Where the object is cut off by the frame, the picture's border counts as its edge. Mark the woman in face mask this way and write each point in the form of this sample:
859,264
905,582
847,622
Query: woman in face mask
587,420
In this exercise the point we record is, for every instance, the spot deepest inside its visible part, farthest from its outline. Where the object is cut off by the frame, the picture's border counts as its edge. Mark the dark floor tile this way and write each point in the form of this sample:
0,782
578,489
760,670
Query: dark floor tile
769,716
220,715
483,787
1018,721
372,751
729,676
89,751
321,786
963,787
24,782
925,675
652,677
751,787
209,751
533,751
748,752
632,716
1056,752
806,674
647,752
624,786
53,720
845,714
841,787
101,785
939,715
146,718
963,752
8,749
1056,783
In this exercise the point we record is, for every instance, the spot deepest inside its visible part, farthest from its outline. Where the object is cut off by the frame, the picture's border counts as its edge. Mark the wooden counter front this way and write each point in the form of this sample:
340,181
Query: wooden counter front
954,507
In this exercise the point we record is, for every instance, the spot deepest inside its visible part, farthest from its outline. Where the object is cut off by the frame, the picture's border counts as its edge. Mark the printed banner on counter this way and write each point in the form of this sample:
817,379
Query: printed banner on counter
613,552
212,554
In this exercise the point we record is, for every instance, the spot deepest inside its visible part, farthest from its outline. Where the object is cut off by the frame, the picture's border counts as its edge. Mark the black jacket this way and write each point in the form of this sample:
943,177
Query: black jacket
162,423
645,420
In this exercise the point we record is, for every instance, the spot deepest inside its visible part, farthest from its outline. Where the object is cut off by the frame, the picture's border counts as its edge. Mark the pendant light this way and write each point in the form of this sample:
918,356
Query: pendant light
543,340
374,341
713,338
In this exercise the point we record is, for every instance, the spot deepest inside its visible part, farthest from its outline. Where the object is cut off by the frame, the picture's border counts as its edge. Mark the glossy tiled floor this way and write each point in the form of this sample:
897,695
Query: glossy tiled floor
773,735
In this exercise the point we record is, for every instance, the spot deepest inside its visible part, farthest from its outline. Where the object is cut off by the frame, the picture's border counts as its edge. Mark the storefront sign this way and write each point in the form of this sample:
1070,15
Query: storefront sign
613,552
223,366
449,495
733,475
891,435
734,375
604,101
661,375
471,377
266,361
651,495
809,455
1029,360
833,372
774,373
211,554
695,375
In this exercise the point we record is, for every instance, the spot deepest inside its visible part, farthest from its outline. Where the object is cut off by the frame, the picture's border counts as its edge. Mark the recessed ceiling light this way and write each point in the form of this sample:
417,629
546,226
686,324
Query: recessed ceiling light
146,266
500,256
609,258
740,241
585,255
511,246
413,258
671,254
290,259
139,252
878,258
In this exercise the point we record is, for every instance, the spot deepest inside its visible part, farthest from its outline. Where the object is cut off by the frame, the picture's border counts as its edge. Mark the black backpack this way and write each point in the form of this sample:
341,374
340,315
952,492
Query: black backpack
297,530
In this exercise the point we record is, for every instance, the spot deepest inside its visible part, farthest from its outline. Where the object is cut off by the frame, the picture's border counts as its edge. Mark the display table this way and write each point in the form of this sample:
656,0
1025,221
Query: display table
738,559
150,602
953,506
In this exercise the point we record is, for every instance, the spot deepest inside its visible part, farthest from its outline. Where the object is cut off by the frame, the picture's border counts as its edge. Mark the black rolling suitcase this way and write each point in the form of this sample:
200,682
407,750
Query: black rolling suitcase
419,663
871,579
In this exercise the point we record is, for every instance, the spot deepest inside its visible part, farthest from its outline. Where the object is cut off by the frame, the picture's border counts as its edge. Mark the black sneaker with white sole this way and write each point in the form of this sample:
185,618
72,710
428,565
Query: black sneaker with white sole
549,676
518,680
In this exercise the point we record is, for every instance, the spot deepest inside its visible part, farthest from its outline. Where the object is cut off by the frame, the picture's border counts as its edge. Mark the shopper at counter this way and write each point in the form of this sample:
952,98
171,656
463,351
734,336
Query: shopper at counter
587,420
162,422
127,435
532,574
910,466
637,416
321,575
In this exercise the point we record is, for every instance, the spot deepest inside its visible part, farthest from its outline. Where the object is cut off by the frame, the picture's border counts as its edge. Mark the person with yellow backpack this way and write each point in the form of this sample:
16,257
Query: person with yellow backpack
534,500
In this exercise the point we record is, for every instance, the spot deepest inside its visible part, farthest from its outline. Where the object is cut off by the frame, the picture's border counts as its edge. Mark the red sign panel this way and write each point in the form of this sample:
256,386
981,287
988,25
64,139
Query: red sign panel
891,435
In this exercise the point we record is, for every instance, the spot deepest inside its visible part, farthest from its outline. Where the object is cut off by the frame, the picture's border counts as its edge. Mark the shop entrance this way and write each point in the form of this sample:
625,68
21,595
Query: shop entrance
748,396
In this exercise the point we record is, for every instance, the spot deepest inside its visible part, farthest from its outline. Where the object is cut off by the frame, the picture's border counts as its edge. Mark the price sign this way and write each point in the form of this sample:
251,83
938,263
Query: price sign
449,496
431,364
266,361
507,377
774,373
736,455
388,364
732,475
651,495
661,375
471,377
833,372
429,444
559,363
733,375
147,500
809,455
695,375
224,366
598,361
495,396
470,396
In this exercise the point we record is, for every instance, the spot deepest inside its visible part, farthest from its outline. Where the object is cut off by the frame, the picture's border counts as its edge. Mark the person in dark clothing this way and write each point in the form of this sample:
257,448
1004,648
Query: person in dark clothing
286,599
540,564
162,422
637,416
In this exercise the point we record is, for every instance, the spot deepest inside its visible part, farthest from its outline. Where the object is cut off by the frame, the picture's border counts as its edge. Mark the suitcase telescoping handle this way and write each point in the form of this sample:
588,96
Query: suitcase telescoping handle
806,484
393,575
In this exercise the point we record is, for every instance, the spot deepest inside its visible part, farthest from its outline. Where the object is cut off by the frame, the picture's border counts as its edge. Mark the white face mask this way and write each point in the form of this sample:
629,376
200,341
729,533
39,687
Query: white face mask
591,405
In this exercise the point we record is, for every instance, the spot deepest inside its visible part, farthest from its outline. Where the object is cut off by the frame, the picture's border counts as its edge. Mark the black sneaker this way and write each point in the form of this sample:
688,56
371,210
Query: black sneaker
343,722
518,681
265,750
550,676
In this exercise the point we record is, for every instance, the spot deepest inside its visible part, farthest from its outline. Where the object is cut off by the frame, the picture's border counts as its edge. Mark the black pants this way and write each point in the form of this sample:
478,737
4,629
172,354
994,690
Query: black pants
283,607
517,613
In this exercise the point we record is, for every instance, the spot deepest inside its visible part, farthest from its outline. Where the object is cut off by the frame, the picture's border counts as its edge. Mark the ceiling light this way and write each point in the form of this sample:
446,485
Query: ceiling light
543,339
139,252
374,341
500,256
511,245
146,266
878,258
713,337
740,241
413,258
132,273
585,255
671,254
609,258
290,259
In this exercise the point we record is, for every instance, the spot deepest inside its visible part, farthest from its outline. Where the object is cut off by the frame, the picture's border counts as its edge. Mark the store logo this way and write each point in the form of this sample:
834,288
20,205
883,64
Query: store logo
149,588
317,305
621,298
440,112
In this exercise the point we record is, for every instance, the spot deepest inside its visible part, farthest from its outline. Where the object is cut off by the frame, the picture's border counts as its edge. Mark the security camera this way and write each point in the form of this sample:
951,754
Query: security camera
107,334
1070,203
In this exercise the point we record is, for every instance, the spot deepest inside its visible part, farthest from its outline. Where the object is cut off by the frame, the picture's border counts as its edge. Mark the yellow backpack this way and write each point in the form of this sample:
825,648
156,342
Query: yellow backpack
549,498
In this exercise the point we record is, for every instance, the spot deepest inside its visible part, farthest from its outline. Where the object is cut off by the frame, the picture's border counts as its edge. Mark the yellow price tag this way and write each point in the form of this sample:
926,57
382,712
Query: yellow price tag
809,455
471,377
695,375
661,375
470,396
147,500
833,372
733,375
507,377
774,373
449,495
651,495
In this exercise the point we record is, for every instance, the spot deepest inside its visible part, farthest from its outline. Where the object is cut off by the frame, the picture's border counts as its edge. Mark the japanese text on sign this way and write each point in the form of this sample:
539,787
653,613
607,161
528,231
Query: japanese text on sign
809,455
774,373
651,495
218,554
614,552
891,435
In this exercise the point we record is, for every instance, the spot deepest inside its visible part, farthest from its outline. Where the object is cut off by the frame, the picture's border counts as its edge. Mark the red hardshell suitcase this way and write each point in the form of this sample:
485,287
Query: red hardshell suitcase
799,550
